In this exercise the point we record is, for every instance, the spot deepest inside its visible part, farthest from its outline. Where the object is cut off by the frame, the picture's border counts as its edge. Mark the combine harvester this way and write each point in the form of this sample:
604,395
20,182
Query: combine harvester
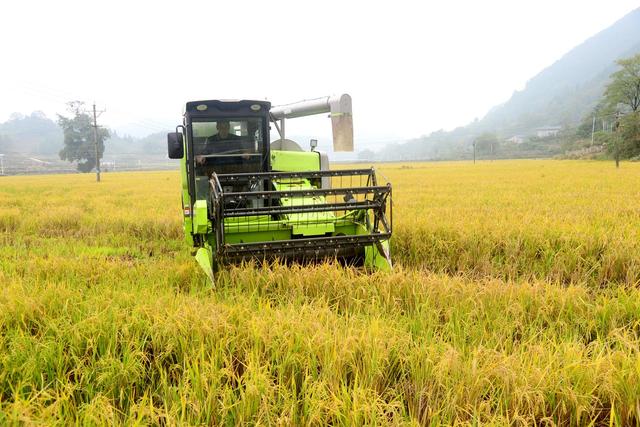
246,198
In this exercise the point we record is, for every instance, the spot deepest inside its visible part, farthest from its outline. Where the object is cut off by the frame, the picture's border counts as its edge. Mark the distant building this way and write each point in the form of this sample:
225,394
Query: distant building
516,139
546,131
108,166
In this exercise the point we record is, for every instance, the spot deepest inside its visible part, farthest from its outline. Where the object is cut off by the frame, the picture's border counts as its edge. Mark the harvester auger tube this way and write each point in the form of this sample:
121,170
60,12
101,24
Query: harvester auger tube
339,109
246,198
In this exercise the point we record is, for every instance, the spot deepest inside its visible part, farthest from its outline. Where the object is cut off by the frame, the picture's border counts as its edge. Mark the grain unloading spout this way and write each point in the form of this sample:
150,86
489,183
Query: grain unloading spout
339,109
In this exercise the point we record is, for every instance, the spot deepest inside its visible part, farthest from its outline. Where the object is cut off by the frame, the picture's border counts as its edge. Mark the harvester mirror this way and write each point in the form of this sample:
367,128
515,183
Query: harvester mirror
313,143
175,145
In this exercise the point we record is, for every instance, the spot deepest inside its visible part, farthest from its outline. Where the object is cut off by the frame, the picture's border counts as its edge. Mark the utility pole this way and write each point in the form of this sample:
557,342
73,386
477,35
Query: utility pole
474,151
593,129
95,141
616,139
95,138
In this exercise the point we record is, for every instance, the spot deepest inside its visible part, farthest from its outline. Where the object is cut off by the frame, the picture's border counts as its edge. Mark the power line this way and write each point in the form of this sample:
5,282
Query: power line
63,97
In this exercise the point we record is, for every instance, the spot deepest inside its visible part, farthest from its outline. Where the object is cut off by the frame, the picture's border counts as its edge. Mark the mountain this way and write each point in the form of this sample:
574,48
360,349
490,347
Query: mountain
34,134
560,95
568,89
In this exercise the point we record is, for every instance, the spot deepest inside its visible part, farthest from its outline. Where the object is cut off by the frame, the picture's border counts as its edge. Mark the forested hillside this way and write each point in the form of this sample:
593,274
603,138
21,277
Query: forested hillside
37,135
32,134
567,90
559,96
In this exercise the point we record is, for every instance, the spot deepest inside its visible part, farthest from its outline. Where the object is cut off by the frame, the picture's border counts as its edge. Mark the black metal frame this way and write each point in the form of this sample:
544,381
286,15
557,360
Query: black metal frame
307,247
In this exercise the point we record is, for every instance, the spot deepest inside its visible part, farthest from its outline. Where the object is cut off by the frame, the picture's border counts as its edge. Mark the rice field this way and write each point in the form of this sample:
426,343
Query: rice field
515,299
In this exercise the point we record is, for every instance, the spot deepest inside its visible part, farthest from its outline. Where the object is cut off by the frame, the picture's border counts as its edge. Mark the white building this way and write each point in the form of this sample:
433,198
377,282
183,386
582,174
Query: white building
546,131
516,139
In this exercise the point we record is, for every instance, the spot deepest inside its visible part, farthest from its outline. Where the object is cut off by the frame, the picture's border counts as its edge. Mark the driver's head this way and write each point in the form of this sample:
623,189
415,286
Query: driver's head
223,128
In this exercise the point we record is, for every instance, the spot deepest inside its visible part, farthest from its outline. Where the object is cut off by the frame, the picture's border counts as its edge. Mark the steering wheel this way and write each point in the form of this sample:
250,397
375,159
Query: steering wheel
236,151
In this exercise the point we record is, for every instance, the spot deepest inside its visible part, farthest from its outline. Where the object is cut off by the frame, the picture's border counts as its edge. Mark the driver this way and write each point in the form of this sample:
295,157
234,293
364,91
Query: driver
223,127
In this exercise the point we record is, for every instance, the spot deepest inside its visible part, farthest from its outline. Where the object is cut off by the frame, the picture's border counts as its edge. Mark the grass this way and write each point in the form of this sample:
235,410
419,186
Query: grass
515,300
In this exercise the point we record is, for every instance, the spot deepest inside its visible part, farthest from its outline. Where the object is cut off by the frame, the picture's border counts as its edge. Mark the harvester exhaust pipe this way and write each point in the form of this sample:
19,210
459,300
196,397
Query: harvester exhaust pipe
339,109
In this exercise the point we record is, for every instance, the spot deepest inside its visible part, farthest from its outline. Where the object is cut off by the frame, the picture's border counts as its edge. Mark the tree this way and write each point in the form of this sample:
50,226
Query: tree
622,99
623,92
78,138
629,131
487,143
588,126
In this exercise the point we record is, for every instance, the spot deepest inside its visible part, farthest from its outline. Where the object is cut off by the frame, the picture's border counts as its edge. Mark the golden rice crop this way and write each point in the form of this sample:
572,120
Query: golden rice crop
514,300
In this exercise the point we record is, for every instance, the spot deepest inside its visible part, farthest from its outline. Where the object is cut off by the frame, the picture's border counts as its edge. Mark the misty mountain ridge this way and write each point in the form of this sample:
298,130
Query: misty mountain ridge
30,134
566,91
562,95
38,135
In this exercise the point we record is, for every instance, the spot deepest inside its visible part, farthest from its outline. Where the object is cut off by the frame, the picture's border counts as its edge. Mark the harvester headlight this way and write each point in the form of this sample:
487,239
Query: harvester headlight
201,107
255,107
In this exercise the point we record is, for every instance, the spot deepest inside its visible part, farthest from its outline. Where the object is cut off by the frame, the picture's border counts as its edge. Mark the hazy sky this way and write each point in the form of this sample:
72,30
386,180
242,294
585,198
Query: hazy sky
411,67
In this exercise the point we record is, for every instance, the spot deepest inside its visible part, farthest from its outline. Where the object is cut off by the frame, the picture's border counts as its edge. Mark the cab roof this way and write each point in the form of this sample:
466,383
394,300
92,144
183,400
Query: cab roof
227,106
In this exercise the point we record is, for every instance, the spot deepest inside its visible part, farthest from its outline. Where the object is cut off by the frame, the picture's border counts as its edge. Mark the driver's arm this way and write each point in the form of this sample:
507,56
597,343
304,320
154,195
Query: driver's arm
204,149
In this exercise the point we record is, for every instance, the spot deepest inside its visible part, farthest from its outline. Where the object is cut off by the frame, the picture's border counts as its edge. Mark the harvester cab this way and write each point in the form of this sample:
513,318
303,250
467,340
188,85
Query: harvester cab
244,197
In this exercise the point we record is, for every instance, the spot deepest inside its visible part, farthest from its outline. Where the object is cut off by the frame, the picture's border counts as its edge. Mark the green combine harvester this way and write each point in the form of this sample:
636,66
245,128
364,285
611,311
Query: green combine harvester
245,197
